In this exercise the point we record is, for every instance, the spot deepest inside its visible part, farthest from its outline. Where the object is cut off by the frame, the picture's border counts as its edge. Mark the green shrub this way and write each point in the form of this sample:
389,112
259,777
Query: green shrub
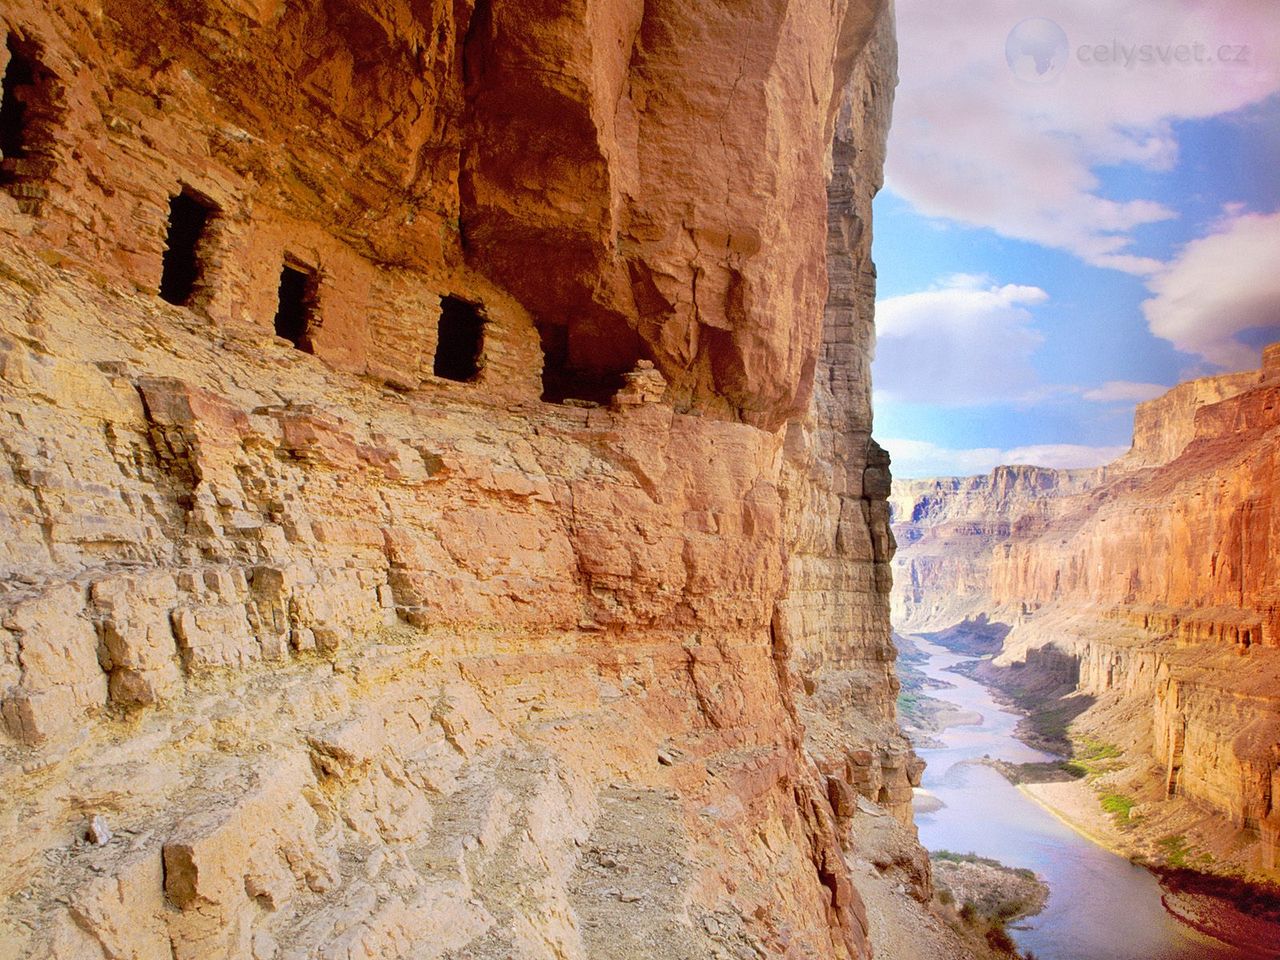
1119,806
1175,849
998,939
1091,757
1091,749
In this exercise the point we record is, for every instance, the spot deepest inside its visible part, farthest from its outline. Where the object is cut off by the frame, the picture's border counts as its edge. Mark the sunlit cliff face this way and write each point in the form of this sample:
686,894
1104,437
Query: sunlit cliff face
423,534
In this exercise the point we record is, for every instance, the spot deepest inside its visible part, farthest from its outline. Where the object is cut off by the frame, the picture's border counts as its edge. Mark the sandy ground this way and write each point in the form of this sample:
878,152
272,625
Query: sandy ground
1075,803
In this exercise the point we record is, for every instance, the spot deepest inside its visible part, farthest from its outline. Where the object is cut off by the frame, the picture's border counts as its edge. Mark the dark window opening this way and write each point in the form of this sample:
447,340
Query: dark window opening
27,119
18,91
460,340
297,306
882,797
585,363
188,217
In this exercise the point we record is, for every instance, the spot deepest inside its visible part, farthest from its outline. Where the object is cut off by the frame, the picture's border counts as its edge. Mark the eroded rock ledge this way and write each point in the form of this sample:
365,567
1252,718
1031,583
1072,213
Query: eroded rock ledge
439,510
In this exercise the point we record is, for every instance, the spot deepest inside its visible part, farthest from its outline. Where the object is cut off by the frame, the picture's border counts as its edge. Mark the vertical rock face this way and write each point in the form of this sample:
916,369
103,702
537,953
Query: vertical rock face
1163,427
349,641
947,528
832,626
646,154
1158,575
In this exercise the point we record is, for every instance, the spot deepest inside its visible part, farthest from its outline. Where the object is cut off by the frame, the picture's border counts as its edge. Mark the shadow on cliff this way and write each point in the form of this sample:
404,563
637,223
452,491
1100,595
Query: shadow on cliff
1043,688
973,636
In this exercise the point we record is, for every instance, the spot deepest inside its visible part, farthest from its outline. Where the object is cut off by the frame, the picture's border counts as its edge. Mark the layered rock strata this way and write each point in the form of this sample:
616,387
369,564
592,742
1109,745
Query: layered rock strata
946,529
422,535
1155,577
832,626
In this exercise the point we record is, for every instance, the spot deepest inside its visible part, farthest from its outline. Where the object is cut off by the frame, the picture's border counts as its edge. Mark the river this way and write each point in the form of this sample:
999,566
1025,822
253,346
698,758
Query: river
1101,907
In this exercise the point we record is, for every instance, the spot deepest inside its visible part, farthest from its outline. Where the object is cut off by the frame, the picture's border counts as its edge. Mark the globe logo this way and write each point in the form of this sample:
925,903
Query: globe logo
1036,50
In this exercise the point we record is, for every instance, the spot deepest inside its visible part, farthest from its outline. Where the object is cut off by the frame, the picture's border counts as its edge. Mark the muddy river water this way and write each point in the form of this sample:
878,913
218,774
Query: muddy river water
1101,907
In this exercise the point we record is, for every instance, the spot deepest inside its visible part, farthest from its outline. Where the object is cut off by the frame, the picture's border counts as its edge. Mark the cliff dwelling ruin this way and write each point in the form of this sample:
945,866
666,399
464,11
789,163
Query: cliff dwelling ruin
188,218
352,643
459,340
298,305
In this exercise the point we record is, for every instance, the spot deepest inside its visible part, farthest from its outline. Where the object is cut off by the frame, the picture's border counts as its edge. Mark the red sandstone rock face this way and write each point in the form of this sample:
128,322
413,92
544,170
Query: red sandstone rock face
1159,574
357,660
672,212
1163,427
644,177
832,623
1196,533
831,629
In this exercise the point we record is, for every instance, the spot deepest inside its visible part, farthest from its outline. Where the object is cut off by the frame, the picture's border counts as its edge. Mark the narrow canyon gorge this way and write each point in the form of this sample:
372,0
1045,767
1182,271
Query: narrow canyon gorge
1135,610
440,514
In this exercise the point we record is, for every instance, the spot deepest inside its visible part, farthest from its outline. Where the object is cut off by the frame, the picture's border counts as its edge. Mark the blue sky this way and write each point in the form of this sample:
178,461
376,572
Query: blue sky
1054,248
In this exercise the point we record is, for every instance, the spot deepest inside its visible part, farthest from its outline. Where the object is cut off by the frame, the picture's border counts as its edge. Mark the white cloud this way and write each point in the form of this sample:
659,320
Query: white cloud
1218,287
973,143
1124,391
968,342
919,458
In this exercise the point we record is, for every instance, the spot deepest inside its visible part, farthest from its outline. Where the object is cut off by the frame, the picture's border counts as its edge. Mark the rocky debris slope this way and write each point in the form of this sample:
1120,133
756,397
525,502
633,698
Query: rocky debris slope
1154,587
422,532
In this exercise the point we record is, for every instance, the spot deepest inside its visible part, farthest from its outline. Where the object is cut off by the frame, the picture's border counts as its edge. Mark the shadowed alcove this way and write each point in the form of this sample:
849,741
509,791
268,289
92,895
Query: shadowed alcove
188,217
460,340
586,362
27,117
295,314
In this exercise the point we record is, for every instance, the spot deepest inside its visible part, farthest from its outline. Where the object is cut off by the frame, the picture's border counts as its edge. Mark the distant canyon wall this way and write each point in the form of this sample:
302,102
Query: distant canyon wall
1159,574
946,529
440,516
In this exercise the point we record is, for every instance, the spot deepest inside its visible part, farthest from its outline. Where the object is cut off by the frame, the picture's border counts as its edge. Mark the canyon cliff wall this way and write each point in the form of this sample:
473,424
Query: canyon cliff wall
1156,577
439,511
946,529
